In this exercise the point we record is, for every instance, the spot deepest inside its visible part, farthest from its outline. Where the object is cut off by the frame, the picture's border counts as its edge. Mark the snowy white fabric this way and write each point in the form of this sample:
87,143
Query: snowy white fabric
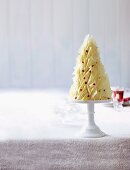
47,115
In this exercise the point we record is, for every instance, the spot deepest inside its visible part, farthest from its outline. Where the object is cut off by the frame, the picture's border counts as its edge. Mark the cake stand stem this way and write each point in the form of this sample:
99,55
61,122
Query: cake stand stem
91,130
90,113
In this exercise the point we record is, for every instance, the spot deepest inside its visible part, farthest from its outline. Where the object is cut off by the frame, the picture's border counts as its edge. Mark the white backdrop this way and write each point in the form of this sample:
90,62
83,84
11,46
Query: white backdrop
39,40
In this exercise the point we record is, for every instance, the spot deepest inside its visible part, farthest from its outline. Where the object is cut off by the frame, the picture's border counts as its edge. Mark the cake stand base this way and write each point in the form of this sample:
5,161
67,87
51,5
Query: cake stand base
90,129
91,132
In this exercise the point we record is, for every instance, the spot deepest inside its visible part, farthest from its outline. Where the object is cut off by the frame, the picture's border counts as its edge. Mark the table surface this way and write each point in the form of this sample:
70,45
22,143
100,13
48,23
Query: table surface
45,114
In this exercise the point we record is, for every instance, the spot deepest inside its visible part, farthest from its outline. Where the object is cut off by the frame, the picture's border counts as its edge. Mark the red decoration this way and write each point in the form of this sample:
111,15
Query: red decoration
119,94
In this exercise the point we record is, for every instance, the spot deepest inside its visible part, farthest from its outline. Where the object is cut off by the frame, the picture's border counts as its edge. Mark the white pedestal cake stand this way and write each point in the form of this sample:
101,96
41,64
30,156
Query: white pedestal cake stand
91,130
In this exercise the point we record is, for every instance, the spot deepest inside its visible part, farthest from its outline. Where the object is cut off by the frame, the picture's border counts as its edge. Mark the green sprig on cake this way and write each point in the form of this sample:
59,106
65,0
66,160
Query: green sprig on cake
90,81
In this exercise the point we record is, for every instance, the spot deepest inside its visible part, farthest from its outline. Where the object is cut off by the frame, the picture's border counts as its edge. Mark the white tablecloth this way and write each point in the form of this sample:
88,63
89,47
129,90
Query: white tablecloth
48,114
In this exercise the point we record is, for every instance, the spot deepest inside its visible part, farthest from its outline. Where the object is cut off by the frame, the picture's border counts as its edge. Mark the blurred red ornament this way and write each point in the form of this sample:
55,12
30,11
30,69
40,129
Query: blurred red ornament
118,94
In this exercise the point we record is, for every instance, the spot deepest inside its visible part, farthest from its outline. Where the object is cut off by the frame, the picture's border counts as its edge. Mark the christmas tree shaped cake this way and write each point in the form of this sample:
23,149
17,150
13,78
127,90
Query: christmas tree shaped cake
90,81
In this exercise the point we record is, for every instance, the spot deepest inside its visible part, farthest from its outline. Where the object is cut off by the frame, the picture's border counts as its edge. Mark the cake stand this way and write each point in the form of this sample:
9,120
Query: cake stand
90,129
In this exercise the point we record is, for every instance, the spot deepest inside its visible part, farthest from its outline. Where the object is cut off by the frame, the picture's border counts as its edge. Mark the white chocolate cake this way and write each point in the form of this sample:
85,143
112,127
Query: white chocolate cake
90,81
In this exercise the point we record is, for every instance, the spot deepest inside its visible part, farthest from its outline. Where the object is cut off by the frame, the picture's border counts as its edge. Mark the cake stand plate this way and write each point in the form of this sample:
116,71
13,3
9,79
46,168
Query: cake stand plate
90,129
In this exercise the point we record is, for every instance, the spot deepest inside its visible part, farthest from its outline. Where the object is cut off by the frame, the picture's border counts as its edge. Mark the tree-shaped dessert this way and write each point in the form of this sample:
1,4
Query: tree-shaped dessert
90,81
